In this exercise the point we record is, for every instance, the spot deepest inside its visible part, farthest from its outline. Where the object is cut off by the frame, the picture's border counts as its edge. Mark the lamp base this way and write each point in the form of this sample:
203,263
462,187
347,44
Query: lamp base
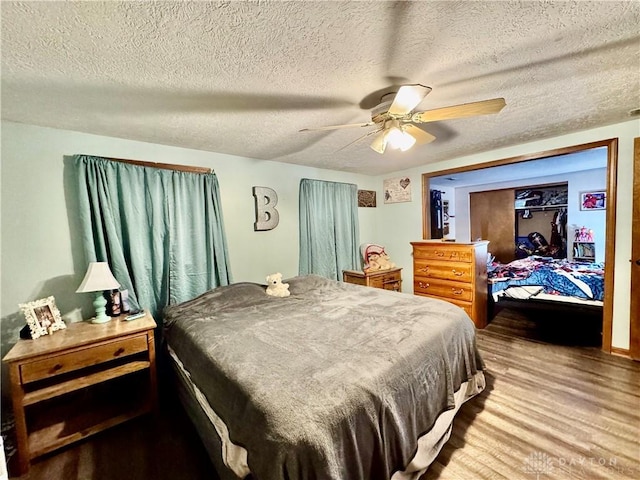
100,304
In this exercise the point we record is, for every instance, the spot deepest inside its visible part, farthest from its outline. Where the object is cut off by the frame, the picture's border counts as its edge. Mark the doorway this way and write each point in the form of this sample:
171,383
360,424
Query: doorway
634,343
611,146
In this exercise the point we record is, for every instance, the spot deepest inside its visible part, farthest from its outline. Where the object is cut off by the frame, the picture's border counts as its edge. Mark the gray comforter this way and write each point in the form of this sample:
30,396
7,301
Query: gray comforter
336,381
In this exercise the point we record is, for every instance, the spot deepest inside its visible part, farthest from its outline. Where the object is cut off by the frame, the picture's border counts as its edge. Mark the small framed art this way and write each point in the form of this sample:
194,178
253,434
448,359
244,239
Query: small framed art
43,317
595,200
397,190
366,198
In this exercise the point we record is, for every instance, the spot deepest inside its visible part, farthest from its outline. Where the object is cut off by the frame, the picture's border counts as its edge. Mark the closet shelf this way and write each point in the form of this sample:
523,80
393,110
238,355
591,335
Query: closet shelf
542,207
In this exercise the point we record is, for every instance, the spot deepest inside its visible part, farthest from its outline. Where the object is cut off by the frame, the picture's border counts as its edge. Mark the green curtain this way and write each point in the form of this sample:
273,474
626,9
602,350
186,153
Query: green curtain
161,231
329,228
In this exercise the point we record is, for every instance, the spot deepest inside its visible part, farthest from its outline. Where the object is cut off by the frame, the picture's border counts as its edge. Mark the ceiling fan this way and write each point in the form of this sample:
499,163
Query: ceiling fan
396,121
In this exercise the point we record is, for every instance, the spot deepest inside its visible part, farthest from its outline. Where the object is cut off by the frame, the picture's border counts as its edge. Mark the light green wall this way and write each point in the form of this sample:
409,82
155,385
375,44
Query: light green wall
401,223
40,252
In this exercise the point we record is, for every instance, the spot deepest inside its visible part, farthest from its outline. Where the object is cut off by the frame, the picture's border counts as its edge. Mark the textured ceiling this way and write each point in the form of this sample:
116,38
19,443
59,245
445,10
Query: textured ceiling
244,77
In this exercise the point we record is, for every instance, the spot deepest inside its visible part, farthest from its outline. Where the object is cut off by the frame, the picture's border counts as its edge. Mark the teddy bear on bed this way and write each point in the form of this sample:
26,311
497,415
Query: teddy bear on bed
275,287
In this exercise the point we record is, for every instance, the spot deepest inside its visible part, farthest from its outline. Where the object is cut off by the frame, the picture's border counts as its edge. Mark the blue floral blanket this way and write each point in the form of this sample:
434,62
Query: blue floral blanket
559,277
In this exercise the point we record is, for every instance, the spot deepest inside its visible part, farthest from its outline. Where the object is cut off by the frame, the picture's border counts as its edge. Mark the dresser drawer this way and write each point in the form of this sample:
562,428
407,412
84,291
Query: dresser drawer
69,362
451,253
457,271
466,306
443,288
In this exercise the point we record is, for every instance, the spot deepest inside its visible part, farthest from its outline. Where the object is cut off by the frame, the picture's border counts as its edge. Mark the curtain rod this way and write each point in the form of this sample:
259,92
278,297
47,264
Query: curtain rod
166,166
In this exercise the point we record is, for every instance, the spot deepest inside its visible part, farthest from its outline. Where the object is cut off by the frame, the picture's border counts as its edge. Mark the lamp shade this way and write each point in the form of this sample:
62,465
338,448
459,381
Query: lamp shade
98,278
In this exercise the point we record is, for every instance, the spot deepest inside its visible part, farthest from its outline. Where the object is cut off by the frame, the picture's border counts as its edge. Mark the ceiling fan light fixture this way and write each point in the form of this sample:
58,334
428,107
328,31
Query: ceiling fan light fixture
396,121
379,143
408,141
399,139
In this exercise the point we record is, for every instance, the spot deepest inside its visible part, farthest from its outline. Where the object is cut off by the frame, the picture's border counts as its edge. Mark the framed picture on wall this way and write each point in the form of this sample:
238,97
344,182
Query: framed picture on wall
397,190
366,198
594,200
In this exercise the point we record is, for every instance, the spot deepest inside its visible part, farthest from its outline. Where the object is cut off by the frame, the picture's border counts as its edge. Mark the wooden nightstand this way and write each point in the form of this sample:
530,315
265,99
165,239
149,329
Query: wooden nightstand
80,381
386,279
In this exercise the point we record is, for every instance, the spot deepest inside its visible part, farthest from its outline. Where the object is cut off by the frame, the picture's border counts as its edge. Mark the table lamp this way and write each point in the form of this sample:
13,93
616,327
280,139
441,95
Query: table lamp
98,279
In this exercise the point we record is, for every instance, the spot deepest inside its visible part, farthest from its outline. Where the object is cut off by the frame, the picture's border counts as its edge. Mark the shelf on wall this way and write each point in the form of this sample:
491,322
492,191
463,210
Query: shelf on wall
542,207
541,197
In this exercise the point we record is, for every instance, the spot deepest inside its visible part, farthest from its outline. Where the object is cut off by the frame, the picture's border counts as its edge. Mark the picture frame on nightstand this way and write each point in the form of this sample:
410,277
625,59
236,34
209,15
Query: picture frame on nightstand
43,317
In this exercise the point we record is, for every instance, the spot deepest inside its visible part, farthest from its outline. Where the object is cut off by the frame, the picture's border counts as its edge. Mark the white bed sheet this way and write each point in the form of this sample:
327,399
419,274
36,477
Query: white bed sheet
537,293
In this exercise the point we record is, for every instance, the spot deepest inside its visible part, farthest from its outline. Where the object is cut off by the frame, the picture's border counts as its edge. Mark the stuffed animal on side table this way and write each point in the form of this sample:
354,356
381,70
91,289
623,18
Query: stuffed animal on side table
275,287
375,258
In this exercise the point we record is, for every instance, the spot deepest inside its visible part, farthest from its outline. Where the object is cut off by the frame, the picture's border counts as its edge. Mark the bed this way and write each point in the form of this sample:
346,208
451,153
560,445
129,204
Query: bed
337,381
537,281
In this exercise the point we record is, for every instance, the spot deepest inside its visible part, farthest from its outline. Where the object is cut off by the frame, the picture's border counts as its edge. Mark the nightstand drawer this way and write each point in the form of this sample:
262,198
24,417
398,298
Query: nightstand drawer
390,281
385,279
391,277
69,362
459,272
443,288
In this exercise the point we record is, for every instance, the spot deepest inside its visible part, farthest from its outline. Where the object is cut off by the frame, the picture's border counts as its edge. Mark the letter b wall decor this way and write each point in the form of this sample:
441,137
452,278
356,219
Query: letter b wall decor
266,214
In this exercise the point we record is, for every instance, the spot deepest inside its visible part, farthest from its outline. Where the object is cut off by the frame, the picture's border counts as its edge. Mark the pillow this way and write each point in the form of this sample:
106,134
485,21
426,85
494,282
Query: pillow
522,293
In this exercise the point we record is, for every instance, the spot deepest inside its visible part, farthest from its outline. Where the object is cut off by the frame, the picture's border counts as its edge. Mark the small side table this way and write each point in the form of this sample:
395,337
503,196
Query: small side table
80,381
386,279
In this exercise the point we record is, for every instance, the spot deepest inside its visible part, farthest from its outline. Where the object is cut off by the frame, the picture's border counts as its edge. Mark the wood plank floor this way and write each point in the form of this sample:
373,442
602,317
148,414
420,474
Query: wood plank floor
551,411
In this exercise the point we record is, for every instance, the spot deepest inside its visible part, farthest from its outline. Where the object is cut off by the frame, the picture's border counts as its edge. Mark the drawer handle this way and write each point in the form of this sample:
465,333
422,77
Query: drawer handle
424,269
423,285
457,291
118,352
440,254
56,367
457,273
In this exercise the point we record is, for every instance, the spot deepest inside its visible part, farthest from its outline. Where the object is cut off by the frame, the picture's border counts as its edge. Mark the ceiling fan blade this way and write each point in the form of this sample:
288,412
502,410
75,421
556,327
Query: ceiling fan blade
472,109
368,134
420,135
408,98
380,141
334,127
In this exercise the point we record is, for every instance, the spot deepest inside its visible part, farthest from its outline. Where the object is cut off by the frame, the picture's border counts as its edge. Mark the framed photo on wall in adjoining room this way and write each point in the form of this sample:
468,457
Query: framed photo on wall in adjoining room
594,200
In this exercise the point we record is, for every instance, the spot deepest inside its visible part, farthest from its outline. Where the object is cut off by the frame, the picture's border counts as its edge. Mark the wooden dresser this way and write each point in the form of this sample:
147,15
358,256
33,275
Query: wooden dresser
455,272
79,381
386,279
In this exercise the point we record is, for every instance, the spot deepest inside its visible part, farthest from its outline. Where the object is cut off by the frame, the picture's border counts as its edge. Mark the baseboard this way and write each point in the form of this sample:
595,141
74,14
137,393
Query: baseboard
621,352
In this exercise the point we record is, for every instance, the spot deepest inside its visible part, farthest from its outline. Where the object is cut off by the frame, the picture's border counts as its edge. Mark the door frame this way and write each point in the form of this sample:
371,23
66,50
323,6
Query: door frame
634,313
612,175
